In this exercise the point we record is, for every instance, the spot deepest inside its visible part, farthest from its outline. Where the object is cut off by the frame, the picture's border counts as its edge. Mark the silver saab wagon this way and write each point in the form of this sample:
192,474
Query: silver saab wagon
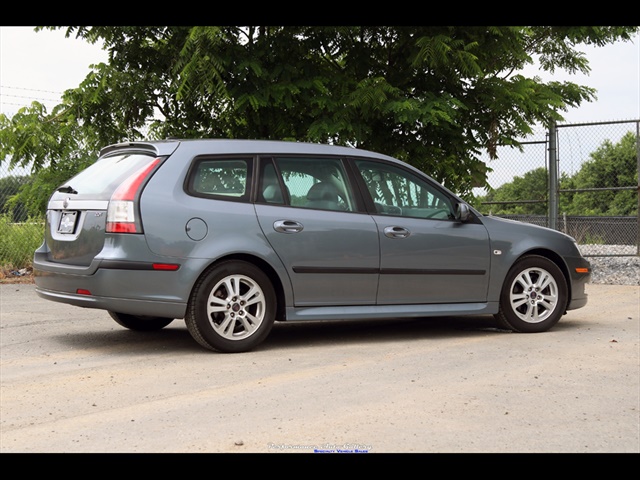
232,235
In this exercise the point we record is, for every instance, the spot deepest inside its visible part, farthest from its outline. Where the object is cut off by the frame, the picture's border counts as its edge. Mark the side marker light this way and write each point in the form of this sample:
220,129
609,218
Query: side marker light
166,266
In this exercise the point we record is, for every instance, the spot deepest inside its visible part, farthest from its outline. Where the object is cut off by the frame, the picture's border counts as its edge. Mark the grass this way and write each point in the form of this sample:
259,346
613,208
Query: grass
18,241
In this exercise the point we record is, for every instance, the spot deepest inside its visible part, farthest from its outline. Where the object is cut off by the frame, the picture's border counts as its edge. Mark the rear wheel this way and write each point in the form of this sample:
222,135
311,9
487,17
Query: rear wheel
534,296
140,323
232,308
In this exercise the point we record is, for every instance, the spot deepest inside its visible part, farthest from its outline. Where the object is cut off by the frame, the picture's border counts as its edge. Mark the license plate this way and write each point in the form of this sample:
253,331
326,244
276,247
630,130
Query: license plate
68,222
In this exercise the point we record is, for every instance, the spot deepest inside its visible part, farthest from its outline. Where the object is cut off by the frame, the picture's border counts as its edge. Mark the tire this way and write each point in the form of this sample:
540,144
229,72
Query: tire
140,323
534,296
232,308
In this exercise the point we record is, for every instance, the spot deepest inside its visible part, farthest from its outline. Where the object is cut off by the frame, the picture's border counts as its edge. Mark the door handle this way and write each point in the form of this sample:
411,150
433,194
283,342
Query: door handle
287,226
396,232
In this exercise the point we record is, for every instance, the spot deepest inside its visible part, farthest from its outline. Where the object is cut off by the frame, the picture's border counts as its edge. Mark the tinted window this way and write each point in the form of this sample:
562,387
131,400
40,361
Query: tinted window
399,192
319,183
100,180
227,178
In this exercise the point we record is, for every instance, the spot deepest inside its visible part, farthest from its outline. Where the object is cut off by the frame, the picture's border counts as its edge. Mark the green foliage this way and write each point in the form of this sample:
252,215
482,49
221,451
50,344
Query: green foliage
9,188
433,96
18,241
610,166
35,139
532,186
55,147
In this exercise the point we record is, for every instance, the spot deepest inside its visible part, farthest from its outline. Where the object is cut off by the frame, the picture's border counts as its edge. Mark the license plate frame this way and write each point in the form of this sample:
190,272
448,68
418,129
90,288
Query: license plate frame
68,220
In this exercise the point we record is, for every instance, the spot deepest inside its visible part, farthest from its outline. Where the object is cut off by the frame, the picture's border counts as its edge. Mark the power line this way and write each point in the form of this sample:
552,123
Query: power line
30,98
24,100
30,89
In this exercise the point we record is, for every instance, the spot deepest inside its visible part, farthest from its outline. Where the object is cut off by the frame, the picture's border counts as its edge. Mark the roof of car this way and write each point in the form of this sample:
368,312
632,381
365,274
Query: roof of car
239,146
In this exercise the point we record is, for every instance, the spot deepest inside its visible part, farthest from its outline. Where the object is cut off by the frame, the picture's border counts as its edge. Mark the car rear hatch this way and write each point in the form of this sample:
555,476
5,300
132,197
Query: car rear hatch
102,199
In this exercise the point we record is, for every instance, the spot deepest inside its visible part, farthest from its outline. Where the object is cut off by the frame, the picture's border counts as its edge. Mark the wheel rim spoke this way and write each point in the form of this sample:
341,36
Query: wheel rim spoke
233,286
525,280
253,296
518,300
248,323
226,325
534,314
217,304
548,304
544,281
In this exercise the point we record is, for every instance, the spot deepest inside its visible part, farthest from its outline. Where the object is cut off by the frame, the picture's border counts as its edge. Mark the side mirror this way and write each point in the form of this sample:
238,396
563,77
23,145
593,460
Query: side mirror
462,212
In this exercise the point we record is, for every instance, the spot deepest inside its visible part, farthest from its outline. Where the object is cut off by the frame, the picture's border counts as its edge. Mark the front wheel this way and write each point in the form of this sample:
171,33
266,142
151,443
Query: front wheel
232,308
534,296
140,323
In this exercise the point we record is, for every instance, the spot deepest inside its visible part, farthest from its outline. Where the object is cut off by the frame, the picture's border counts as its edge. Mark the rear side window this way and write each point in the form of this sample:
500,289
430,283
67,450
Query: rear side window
100,180
309,182
227,179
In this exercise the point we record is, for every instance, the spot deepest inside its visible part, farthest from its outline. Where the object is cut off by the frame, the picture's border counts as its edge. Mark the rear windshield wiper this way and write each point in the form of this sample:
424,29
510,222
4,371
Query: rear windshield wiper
67,189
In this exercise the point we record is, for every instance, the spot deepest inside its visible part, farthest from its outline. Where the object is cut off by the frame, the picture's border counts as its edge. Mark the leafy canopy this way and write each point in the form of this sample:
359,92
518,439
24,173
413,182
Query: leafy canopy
435,97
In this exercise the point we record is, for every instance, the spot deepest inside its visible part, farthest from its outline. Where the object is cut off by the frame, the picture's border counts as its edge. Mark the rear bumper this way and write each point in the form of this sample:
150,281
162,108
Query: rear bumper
121,305
119,286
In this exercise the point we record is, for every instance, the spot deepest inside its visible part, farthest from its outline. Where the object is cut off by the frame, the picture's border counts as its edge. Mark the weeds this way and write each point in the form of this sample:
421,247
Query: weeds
18,241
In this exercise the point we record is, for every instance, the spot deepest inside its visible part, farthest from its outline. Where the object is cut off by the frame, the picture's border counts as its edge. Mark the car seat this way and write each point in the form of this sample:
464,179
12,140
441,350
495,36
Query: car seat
323,195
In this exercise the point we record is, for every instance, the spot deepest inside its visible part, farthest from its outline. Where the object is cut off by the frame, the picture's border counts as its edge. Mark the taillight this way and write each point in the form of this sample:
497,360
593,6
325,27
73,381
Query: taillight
122,213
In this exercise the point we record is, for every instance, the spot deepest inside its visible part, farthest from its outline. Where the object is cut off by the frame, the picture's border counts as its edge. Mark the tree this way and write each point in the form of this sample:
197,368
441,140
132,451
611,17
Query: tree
55,146
9,187
519,195
436,97
610,166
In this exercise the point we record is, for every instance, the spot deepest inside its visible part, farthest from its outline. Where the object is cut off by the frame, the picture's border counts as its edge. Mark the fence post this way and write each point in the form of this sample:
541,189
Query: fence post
553,176
638,191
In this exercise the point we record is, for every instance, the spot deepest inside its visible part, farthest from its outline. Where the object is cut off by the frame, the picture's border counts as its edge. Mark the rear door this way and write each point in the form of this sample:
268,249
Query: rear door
309,214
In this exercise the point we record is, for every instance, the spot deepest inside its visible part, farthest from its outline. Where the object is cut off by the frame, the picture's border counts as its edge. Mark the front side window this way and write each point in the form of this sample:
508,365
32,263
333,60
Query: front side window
398,192
223,178
314,182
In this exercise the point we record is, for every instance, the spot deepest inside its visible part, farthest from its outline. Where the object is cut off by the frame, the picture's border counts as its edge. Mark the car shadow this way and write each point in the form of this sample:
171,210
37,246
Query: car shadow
176,338
172,339
353,331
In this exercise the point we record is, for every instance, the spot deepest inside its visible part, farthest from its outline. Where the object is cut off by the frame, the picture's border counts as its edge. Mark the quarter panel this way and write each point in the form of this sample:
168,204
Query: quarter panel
224,228
511,240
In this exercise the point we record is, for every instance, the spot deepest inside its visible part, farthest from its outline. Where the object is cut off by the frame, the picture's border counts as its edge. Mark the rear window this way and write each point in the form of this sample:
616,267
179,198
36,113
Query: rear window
101,179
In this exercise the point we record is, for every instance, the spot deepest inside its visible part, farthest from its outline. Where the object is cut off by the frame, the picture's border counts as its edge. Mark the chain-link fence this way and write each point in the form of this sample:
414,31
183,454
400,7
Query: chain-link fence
588,172
581,179
20,233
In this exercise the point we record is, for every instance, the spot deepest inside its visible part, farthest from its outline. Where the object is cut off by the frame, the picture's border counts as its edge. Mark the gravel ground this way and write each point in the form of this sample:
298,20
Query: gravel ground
613,270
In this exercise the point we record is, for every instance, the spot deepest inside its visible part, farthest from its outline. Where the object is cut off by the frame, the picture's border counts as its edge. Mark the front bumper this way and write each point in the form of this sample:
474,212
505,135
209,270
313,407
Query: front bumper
580,275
